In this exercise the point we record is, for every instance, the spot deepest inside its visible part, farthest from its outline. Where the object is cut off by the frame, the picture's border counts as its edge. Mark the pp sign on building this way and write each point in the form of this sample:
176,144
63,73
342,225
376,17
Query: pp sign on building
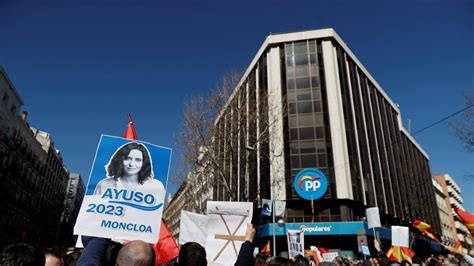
310,184
126,190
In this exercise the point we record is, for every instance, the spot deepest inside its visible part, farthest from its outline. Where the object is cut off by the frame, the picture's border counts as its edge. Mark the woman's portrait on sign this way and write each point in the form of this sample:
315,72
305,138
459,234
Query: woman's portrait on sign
130,168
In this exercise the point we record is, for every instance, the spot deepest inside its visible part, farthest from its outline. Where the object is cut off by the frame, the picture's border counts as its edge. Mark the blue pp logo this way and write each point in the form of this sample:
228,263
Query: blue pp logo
310,184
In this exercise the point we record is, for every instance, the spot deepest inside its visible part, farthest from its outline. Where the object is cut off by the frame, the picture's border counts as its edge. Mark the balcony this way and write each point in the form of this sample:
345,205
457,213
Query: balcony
461,227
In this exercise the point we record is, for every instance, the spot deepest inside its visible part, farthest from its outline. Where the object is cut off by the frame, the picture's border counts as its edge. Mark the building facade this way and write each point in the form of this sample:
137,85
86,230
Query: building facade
34,178
454,200
306,101
448,229
72,203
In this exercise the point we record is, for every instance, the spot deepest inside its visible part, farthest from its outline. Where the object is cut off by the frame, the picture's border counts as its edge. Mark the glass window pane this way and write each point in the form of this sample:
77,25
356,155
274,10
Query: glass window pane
306,133
307,147
294,147
313,59
301,71
288,48
294,134
295,162
308,161
304,107
317,106
301,59
318,119
306,120
290,84
312,47
290,61
292,107
315,82
290,72
302,83
303,95
314,70
322,162
301,48
319,133
291,96
293,121
316,94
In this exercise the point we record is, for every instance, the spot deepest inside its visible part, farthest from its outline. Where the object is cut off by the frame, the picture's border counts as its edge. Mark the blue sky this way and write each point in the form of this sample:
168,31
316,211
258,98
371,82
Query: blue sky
81,66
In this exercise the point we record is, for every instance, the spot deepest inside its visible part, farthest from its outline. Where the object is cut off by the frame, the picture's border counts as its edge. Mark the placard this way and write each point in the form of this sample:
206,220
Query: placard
295,243
373,217
126,190
227,225
193,228
400,236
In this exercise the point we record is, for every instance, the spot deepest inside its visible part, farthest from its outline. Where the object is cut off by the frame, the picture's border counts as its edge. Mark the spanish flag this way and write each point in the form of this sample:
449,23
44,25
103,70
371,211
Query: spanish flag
426,229
266,249
467,219
130,132
398,254
458,246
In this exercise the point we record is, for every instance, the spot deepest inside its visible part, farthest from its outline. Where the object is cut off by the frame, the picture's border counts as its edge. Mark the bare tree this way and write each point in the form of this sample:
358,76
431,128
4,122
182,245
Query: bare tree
463,128
221,125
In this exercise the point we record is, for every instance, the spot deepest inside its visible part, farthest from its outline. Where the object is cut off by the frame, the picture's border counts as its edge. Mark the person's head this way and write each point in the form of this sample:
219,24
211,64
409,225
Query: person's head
136,253
131,159
22,255
301,261
280,261
192,253
261,259
53,258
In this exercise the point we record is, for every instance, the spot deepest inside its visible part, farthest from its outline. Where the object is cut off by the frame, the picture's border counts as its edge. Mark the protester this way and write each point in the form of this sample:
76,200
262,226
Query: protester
53,258
274,261
301,261
136,253
192,253
466,257
21,255
245,256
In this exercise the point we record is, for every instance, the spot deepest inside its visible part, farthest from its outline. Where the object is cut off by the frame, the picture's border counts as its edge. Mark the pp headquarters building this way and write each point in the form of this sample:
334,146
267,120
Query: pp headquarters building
306,101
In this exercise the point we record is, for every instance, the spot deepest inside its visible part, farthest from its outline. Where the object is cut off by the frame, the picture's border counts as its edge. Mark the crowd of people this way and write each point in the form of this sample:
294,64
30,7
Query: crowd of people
100,251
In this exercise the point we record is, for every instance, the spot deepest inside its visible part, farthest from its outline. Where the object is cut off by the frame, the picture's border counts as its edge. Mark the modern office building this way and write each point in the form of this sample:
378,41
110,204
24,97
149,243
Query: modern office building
306,101
34,178
454,200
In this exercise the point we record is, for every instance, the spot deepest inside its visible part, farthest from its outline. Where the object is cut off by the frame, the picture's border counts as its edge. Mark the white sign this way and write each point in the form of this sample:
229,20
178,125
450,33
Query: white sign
365,250
373,217
126,190
227,225
295,243
267,207
330,256
193,228
400,236
280,208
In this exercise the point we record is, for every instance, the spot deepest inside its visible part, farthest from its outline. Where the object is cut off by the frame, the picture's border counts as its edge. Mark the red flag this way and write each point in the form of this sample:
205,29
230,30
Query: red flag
467,219
130,133
396,253
166,249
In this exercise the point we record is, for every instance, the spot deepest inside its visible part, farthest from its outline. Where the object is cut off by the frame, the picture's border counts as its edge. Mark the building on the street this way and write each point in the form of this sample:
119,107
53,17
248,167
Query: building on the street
448,229
172,212
74,196
34,178
454,200
306,101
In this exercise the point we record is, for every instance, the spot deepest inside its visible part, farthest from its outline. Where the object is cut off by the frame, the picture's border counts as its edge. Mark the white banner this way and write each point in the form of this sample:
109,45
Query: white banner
227,225
373,217
330,256
193,228
125,194
400,236
295,243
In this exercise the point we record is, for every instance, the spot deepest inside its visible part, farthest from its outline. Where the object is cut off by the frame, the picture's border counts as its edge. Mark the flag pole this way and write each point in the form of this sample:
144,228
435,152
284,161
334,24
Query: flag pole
274,229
